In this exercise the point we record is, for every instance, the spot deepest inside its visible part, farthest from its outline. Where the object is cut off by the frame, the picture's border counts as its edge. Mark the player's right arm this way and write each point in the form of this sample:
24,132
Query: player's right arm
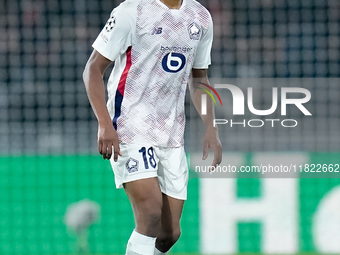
95,89
112,42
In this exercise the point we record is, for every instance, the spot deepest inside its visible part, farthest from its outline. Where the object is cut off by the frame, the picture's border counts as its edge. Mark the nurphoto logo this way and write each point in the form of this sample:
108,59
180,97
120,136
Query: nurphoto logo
238,105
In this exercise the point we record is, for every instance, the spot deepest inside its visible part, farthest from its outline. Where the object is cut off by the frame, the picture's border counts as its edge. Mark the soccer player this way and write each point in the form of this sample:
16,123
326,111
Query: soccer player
156,46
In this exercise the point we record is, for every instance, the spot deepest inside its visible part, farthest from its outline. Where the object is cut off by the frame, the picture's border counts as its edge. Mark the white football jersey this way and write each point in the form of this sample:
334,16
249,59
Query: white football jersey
154,49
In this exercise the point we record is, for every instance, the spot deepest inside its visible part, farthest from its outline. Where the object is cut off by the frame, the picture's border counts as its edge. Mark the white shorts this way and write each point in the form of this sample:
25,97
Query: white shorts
142,162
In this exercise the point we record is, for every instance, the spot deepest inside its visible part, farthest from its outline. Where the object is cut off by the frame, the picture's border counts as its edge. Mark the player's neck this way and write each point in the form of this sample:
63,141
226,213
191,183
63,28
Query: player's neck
172,4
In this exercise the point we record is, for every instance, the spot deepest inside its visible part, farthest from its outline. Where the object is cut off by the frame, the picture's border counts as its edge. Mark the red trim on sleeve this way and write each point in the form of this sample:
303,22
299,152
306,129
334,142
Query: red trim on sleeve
122,82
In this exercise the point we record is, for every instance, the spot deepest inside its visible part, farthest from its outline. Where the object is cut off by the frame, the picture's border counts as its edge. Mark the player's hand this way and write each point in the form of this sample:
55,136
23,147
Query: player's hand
211,140
108,138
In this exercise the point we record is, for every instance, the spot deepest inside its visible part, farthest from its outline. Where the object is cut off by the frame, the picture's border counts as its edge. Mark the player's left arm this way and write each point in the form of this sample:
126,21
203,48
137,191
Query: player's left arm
211,138
200,76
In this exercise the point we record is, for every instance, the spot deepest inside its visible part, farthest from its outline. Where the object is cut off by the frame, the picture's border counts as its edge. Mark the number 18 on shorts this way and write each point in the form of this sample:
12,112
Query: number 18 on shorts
141,162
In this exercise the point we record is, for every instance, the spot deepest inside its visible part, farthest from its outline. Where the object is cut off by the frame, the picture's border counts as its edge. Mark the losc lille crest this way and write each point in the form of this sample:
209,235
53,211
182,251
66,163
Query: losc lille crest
194,31
132,165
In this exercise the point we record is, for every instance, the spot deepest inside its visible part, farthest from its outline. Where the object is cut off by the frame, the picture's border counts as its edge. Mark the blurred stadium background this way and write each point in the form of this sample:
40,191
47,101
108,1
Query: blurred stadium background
48,155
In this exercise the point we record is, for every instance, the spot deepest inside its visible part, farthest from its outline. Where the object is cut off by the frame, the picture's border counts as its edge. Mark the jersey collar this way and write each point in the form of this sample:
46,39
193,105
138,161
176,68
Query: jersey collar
165,6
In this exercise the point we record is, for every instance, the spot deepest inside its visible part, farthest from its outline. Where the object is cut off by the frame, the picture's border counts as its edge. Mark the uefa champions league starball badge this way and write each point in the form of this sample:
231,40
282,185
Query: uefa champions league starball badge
110,24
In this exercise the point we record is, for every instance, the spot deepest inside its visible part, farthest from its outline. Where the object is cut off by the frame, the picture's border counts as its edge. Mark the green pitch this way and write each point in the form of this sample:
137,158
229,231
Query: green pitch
36,190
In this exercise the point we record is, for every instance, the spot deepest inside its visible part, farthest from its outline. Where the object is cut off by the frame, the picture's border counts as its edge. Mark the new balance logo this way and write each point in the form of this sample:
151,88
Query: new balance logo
157,31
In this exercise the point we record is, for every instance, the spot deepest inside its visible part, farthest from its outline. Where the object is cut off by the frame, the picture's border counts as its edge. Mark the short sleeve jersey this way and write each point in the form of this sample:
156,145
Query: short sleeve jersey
154,49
